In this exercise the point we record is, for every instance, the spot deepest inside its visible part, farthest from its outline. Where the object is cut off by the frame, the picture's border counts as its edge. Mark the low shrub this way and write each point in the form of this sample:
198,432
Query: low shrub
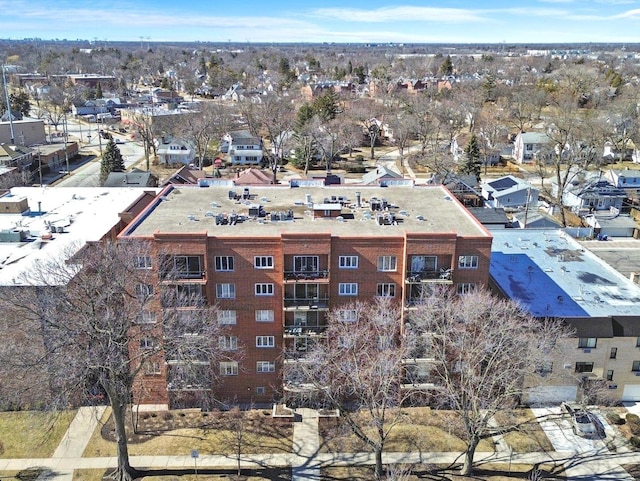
633,418
635,441
167,416
614,418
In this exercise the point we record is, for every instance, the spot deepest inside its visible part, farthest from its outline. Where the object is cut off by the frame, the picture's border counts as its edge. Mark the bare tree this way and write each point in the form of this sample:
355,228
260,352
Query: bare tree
272,117
485,352
358,371
210,124
99,314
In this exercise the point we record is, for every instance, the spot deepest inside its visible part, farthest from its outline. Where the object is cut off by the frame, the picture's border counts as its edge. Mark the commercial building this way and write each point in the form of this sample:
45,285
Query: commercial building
553,276
276,259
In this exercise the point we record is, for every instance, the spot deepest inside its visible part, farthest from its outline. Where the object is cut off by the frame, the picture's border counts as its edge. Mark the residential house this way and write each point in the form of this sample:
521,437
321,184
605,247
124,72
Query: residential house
176,151
276,260
464,187
379,175
528,146
591,194
627,180
185,175
252,176
509,192
244,148
554,277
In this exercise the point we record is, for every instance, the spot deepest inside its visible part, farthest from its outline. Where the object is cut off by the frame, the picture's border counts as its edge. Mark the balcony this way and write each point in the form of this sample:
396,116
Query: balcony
306,303
443,276
301,276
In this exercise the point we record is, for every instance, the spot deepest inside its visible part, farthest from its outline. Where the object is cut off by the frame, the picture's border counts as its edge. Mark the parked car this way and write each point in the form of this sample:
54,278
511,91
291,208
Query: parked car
581,421
119,141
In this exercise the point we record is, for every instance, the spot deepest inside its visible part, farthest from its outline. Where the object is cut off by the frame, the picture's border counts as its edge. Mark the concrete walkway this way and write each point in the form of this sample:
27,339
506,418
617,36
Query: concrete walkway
586,461
306,446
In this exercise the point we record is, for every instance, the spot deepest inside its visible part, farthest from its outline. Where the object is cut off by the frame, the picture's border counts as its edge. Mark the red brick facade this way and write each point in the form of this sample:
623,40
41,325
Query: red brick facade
298,277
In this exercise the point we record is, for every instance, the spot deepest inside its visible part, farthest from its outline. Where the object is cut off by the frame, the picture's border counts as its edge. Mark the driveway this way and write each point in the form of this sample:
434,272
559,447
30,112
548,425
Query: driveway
559,430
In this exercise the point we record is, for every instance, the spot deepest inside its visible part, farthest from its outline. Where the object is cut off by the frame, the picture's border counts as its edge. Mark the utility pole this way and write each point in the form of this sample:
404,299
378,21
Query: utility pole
66,152
6,95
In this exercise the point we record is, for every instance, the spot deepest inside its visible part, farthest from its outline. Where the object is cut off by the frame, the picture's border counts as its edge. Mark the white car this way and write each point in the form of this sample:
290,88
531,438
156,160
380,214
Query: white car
582,421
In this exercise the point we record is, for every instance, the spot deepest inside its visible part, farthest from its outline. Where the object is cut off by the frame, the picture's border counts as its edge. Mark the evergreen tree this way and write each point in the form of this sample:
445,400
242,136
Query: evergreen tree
112,161
327,106
472,164
99,91
446,68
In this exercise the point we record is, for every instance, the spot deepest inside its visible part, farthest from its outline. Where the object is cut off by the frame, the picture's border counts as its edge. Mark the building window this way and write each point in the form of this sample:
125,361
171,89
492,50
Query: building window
152,368
635,366
227,317
468,262
348,315
265,366
147,343
144,290
585,366
226,291
182,267
263,262
386,290
264,315
306,263
264,289
387,263
587,342
466,288
423,264
348,262
638,342
260,390
348,289
228,343
610,375
614,353
224,263
265,341
142,262
148,317
229,368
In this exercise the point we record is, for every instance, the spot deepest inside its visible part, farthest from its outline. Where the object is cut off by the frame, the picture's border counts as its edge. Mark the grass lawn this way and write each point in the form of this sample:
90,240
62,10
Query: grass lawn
527,435
489,472
422,429
32,434
203,475
179,432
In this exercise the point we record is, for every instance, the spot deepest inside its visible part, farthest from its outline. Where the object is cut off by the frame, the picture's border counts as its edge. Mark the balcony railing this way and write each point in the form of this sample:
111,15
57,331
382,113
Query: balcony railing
305,275
299,331
178,275
319,302
417,277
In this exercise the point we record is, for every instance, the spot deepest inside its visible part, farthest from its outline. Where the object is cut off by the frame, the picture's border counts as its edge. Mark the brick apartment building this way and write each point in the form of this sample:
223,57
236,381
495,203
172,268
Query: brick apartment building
275,260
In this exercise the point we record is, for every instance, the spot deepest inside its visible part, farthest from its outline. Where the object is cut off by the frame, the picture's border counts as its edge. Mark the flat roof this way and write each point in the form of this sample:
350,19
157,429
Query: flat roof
78,215
552,275
424,209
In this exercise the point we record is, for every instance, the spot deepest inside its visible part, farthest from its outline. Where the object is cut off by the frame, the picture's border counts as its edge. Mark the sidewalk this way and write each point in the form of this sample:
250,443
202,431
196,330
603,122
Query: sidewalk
590,461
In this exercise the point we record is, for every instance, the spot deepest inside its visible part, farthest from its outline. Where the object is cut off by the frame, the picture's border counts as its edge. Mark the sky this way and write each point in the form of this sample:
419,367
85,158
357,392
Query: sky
313,21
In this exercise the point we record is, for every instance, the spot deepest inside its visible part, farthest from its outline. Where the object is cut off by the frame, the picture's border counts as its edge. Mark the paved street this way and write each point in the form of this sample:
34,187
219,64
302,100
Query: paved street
584,460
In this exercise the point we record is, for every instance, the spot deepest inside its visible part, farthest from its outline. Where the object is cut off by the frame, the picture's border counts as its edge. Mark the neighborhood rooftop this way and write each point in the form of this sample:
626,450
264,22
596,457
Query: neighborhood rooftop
38,224
345,210
552,275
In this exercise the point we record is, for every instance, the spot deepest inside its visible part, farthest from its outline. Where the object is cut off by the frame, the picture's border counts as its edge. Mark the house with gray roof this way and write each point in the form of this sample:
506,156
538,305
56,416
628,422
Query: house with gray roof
509,192
528,145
